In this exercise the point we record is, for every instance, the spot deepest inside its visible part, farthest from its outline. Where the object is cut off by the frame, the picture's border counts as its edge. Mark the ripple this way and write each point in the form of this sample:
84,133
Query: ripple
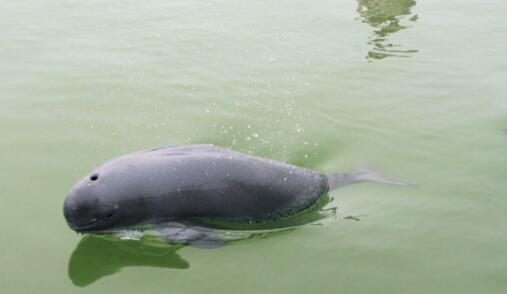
386,17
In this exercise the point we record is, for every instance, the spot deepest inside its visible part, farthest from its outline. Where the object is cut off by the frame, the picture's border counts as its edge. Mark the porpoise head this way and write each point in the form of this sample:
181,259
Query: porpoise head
113,195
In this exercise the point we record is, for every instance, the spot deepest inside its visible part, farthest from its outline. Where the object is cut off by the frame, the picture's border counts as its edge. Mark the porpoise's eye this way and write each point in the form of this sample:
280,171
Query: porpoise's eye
94,177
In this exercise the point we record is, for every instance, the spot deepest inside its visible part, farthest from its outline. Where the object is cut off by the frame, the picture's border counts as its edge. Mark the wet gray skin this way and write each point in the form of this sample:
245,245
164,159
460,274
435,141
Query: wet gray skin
193,182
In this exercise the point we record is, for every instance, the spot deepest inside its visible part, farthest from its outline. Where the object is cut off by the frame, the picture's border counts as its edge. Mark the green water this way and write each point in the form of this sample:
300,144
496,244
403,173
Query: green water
416,87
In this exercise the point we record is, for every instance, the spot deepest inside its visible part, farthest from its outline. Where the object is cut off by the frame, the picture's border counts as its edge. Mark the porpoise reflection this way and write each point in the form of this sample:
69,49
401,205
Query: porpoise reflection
99,256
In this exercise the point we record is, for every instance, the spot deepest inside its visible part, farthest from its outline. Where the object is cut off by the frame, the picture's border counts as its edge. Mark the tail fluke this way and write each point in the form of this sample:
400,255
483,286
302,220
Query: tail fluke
363,175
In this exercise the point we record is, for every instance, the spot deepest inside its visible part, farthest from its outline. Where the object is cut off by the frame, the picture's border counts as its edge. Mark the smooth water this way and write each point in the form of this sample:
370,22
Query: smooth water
416,87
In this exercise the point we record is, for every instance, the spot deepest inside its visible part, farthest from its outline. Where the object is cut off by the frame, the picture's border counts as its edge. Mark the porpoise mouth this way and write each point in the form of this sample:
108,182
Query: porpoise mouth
95,225
85,217
86,225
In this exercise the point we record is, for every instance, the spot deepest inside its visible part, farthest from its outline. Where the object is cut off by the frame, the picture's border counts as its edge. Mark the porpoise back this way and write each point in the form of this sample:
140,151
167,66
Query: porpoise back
208,181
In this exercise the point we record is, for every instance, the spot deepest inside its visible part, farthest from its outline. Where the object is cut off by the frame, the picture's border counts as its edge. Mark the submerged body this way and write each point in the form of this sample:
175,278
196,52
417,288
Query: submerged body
192,182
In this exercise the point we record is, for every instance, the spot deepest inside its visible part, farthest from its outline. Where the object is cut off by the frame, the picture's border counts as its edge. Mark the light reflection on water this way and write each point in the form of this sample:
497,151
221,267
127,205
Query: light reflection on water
386,17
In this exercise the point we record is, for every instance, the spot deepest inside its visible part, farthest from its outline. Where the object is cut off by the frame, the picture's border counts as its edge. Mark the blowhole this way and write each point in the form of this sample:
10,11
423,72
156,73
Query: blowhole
109,215
94,177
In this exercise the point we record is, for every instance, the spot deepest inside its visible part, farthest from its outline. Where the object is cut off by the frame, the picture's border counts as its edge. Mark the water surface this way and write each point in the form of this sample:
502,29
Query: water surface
416,87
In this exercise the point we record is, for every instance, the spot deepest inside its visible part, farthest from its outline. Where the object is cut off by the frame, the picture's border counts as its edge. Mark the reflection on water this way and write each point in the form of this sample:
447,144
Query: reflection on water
386,17
98,256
